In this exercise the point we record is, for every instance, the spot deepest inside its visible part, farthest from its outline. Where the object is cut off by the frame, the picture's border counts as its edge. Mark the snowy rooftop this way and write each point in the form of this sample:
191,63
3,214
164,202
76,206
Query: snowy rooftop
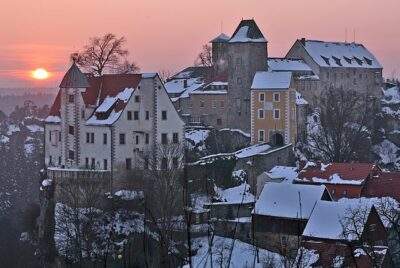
325,221
247,32
282,64
177,86
235,195
283,200
339,54
283,172
222,38
392,95
272,80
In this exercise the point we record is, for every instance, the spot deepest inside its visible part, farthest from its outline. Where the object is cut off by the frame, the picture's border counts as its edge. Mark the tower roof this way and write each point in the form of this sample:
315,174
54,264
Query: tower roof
74,78
222,38
247,32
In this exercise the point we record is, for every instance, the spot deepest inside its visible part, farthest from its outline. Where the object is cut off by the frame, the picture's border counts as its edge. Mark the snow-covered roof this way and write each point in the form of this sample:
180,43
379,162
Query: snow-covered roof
209,92
222,38
392,95
287,200
247,32
283,64
283,172
272,80
177,86
149,75
53,119
111,103
327,218
339,54
235,195
300,100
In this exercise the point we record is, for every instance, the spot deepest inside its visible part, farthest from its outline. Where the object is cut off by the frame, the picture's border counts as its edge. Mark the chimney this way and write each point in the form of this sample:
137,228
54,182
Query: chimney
185,85
303,41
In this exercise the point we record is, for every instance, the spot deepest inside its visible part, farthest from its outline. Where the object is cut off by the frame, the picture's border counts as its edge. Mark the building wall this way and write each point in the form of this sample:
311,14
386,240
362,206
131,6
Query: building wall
244,60
286,125
210,114
53,145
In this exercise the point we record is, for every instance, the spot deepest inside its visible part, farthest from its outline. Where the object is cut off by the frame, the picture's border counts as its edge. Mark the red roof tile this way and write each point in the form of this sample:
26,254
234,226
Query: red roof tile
346,171
384,184
100,88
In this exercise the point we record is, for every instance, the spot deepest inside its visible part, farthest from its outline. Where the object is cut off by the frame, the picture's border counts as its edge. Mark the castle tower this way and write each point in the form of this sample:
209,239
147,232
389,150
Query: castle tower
246,54
72,105
219,53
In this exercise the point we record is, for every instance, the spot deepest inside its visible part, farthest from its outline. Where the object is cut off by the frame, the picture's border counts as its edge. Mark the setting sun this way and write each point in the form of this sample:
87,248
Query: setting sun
40,74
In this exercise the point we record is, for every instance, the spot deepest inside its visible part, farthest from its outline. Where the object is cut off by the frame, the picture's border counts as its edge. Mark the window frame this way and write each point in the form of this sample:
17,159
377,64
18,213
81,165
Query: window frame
279,97
279,114
261,97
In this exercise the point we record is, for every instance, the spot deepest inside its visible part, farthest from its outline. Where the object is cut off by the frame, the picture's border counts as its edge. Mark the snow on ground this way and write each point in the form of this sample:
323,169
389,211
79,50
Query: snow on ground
196,138
243,255
28,148
252,150
288,174
387,151
239,175
392,95
129,195
235,195
35,128
12,128
4,139
236,130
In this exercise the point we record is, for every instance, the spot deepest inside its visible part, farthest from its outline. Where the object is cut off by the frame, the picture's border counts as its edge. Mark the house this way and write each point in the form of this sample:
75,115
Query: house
273,108
337,65
343,180
276,174
112,124
281,214
346,229
383,184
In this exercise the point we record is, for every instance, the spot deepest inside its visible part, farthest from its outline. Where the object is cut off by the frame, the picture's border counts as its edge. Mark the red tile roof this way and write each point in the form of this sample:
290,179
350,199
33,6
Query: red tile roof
100,88
384,184
346,171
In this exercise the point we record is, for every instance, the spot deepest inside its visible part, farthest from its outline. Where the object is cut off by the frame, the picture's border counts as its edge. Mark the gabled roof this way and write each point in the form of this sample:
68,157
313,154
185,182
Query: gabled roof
247,32
272,80
339,54
283,172
222,38
74,78
383,184
327,218
287,64
285,200
336,173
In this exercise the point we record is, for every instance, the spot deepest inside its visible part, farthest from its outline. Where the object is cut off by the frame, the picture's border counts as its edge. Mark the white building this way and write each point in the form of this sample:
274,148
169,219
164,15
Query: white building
111,123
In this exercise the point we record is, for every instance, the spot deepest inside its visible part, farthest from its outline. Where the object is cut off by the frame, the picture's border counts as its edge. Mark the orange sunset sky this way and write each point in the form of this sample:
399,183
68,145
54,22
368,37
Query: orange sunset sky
168,34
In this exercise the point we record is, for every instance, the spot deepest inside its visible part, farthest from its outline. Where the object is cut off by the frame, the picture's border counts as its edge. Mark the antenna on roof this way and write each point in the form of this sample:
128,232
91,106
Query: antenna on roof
345,35
222,26
354,35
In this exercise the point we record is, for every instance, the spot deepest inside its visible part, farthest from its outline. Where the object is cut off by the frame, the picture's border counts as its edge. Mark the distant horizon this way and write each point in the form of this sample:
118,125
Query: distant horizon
165,35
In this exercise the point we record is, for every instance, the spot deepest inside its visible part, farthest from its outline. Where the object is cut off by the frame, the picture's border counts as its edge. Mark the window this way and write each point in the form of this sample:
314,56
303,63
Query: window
105,164
175,137
214,104
50,160
71,98
219,121
277,97
175,162
136,115
164,163
89,137
164,138
59,136
222,104
49,135
121,138
83,114
372,227
261,134
261,96
147,138
147,115
201,104
71,155
261,114
87,162
129,115
146,163
283,240
104,138
277,114
93,163
71,130
333,191
59,160
163,115
128,163
137,98
137,139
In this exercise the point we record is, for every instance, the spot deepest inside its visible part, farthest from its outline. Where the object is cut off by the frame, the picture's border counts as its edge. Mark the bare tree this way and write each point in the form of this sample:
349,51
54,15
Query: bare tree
204,58
105,54
338,131
165,74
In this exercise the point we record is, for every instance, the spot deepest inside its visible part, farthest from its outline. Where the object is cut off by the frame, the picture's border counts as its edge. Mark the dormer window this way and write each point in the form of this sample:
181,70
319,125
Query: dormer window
337,61
348,60
368,61
359,61
326,59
